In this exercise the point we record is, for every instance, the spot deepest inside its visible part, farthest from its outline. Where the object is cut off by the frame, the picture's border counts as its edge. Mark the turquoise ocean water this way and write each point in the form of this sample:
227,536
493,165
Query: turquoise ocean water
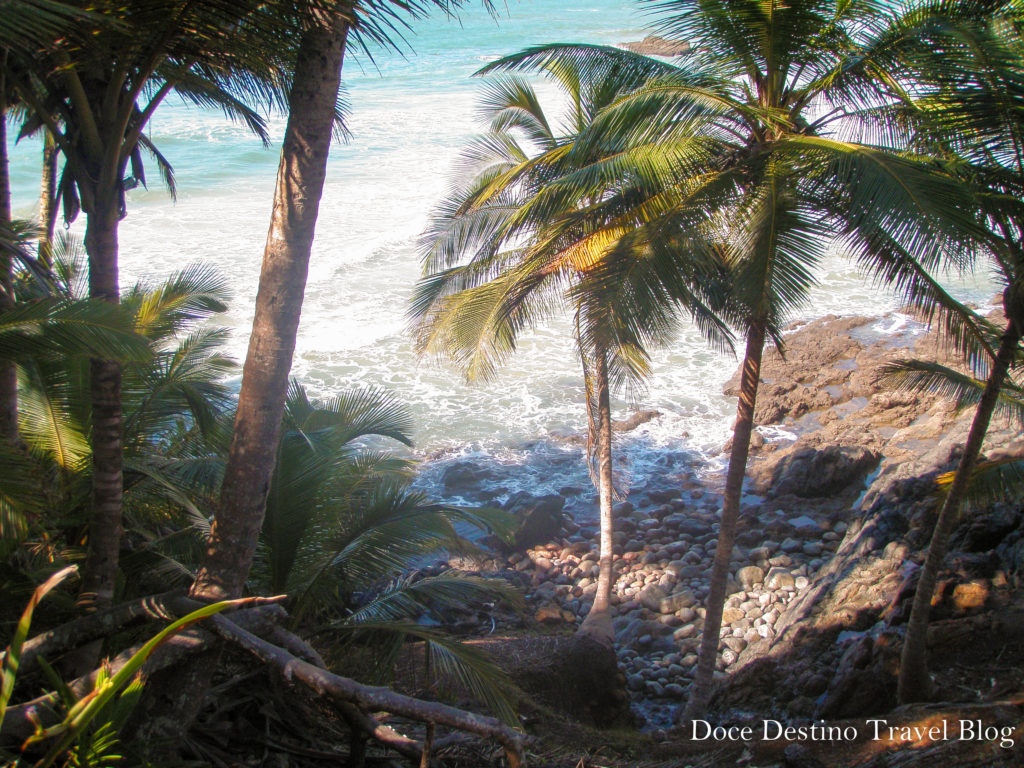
410,115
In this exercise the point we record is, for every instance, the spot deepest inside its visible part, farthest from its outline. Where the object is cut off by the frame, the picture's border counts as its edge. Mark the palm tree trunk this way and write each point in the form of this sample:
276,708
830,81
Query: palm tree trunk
587,670
48,199
99,575
8,371
300,181
598,619
750,377
914,681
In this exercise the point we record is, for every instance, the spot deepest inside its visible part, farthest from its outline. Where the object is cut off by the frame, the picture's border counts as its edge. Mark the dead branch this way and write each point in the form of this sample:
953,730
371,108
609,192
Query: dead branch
85,629
372,698
20,720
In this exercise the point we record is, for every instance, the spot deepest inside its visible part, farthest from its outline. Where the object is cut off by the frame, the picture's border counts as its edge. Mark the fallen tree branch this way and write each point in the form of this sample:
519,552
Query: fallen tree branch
372,698
85,629
20,719
357,719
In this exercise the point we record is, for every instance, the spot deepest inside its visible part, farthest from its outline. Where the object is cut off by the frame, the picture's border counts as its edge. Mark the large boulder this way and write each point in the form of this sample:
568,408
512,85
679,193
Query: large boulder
539,518
815,473
464,478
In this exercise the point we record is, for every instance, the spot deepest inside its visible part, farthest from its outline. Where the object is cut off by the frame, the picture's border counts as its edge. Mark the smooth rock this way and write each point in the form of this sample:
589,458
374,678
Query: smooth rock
750,576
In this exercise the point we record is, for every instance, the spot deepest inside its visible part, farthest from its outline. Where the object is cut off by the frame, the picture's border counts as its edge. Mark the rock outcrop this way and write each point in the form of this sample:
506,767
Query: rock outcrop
652,45
840,504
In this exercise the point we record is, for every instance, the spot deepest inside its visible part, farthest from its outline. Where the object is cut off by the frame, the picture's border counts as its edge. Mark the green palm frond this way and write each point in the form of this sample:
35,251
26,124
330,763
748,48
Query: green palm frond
50,416
21,503
962,389
188,380
56,327
410,597
992,482
26,22
187,297
457,664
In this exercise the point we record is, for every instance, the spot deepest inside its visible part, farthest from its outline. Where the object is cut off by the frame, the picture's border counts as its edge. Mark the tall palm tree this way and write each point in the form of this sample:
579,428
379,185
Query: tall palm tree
328,28
774,81
538,224
967,106
94,89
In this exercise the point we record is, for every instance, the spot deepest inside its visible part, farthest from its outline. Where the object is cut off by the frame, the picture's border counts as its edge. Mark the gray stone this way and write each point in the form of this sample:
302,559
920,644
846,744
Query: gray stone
677,601
651,596
685,631
813,473
812,548
805,522
734,643
539,518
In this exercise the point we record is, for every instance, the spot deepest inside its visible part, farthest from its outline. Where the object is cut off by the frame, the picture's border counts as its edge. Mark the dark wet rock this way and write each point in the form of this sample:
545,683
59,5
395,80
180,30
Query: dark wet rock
464,477
812,472
862,685
652,45
634,420
539,518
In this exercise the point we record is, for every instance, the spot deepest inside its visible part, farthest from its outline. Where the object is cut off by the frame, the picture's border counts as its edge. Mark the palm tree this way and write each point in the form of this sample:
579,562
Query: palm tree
774,81
174,393
94,90
967,107
24,23
327,29
541,224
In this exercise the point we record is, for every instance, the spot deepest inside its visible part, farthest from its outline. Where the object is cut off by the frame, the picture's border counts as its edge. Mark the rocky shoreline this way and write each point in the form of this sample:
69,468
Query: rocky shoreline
835,516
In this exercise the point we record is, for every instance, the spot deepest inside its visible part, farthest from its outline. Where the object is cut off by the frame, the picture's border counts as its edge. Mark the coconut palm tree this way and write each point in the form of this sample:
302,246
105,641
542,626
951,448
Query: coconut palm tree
94,89
540,224
966,107
769,85
24,24
328,29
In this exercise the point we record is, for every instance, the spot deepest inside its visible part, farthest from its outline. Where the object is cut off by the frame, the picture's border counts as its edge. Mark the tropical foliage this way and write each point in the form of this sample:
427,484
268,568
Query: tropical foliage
532,228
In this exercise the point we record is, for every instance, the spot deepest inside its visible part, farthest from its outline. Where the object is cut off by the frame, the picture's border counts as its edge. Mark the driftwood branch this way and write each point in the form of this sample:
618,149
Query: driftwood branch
371,698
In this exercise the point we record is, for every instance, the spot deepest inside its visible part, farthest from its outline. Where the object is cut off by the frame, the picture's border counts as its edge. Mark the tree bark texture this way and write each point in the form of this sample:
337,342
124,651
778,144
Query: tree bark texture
99,574
914,680
48,199
598,619
749,379
300,181
8,370
586,672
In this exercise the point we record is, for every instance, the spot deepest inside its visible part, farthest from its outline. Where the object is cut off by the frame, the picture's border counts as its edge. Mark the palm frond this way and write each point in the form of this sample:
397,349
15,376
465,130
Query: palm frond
457,664
962,389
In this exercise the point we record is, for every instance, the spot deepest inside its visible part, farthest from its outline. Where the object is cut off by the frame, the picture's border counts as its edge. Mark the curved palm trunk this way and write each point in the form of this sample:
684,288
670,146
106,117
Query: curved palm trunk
914,681
8,371
749,380
598,621
300,181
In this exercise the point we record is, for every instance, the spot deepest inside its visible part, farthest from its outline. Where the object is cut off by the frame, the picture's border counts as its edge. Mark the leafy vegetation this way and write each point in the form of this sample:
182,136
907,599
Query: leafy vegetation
703,189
